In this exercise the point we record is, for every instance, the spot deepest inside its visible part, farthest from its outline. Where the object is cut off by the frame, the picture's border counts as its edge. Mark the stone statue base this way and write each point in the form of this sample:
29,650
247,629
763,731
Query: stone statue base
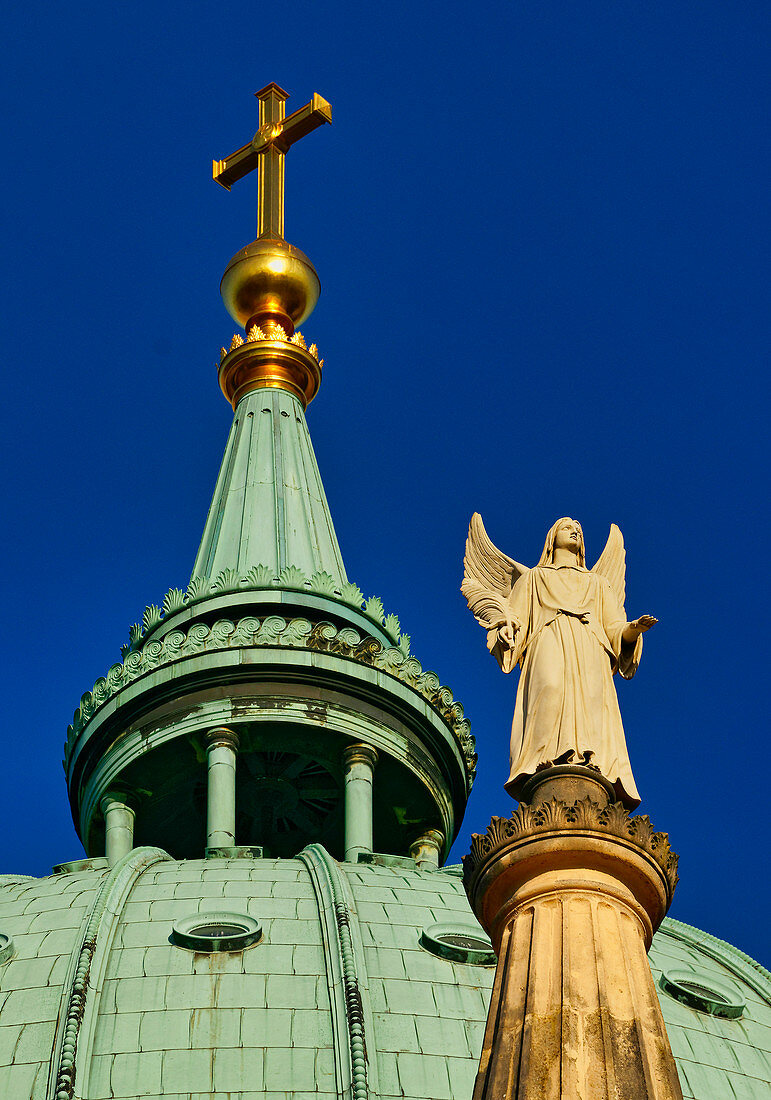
571,892
567,783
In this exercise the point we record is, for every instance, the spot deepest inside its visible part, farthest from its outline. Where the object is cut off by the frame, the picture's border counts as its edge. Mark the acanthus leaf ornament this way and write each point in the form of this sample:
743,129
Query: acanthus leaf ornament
374,608
259,577
582,816
174,600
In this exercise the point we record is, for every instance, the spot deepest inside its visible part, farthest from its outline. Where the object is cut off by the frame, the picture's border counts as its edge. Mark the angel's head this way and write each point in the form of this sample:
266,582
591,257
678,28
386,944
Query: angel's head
565,534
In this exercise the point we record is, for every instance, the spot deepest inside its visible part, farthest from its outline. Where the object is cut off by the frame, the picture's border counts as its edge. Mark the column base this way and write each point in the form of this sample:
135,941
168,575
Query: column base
236,852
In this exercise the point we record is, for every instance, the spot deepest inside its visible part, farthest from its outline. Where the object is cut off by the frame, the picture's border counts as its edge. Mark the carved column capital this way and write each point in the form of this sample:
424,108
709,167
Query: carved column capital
221,735
360,754
116,800
543,848
427,849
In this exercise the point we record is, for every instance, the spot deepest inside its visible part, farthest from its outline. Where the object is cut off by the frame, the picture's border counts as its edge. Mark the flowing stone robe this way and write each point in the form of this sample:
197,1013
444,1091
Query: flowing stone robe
569,643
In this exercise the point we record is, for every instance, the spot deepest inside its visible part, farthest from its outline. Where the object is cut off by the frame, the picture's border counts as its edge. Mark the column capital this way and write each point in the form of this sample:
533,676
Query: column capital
221,735
427,849
116,800
431,838
360,754
559,847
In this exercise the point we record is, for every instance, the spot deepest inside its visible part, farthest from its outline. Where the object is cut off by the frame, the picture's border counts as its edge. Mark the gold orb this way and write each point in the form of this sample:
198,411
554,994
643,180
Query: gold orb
272,279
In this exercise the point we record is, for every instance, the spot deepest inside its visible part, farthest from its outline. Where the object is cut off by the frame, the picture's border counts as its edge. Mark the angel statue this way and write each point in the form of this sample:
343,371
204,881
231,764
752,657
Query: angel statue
566,627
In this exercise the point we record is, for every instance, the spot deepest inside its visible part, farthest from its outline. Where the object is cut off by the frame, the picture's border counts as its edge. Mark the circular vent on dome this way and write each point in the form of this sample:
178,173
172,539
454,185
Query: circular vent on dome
703,992
6,947
216,932
458,943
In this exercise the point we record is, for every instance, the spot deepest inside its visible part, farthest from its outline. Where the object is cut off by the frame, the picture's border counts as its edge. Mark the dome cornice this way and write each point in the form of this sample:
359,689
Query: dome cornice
276,632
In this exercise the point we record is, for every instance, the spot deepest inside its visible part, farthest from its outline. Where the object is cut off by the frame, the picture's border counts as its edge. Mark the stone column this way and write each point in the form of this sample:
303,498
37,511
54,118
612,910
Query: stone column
118,827
570,894
426,850
221,749
360,761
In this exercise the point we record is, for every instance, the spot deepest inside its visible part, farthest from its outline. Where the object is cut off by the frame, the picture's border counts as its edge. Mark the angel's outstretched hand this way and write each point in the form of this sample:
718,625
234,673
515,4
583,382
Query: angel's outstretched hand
506,633
637,627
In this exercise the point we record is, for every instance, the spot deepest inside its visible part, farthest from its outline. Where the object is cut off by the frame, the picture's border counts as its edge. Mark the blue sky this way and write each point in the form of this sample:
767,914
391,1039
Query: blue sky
542,234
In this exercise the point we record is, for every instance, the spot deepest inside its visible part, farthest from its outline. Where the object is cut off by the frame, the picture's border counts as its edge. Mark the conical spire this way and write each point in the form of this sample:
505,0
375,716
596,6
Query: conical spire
269,506
274,689
269,509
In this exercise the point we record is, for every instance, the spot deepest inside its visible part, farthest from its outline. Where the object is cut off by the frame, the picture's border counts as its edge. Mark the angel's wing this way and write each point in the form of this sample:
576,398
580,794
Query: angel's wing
488,576
612,563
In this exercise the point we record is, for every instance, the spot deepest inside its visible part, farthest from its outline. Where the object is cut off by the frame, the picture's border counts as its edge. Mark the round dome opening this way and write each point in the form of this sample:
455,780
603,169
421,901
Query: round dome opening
458,943
704,992
6,947
216,932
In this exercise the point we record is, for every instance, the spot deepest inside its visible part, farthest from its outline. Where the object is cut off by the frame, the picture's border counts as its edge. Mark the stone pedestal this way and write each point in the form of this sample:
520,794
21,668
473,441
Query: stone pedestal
571,894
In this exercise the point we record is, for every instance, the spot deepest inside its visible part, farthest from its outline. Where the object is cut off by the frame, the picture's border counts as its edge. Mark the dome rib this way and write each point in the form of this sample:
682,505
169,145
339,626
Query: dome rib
88,962
344,960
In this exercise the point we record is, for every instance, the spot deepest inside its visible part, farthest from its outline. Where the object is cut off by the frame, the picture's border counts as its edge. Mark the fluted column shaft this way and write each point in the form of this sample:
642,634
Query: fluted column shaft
574,1011
118,827
359,762
221,750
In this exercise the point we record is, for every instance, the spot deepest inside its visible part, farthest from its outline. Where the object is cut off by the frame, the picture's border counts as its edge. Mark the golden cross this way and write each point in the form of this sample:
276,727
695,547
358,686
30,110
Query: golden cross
266,152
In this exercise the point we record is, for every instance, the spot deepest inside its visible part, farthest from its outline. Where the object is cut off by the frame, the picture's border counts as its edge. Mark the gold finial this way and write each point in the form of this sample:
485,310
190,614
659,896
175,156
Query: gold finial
266,152
270,286
270,281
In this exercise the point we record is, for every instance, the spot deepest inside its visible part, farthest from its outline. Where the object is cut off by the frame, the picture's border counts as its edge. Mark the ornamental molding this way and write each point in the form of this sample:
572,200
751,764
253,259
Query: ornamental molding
276,333
77,1018
583,816
338,918
276,632
228,581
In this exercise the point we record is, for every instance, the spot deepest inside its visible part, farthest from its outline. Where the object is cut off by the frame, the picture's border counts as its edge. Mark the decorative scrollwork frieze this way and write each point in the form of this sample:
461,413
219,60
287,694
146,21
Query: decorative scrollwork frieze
583,815
273,630
262,576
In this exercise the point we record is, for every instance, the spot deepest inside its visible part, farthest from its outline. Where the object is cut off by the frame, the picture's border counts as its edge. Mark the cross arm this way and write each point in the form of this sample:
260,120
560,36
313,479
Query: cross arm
283,135
304,121
233,168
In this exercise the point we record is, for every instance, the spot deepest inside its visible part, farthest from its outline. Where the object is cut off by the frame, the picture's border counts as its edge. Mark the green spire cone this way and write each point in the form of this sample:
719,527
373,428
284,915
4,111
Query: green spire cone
269,507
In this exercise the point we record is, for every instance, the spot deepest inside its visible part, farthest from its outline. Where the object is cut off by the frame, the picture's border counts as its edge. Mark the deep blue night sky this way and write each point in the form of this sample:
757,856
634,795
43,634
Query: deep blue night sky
542,233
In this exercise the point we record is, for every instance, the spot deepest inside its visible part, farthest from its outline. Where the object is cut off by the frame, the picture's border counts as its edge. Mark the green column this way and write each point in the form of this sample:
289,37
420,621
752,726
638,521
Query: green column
221,749
427,849
118,827
359,763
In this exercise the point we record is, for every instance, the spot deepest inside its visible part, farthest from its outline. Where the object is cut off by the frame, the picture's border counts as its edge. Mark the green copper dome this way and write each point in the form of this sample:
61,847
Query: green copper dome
339,969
